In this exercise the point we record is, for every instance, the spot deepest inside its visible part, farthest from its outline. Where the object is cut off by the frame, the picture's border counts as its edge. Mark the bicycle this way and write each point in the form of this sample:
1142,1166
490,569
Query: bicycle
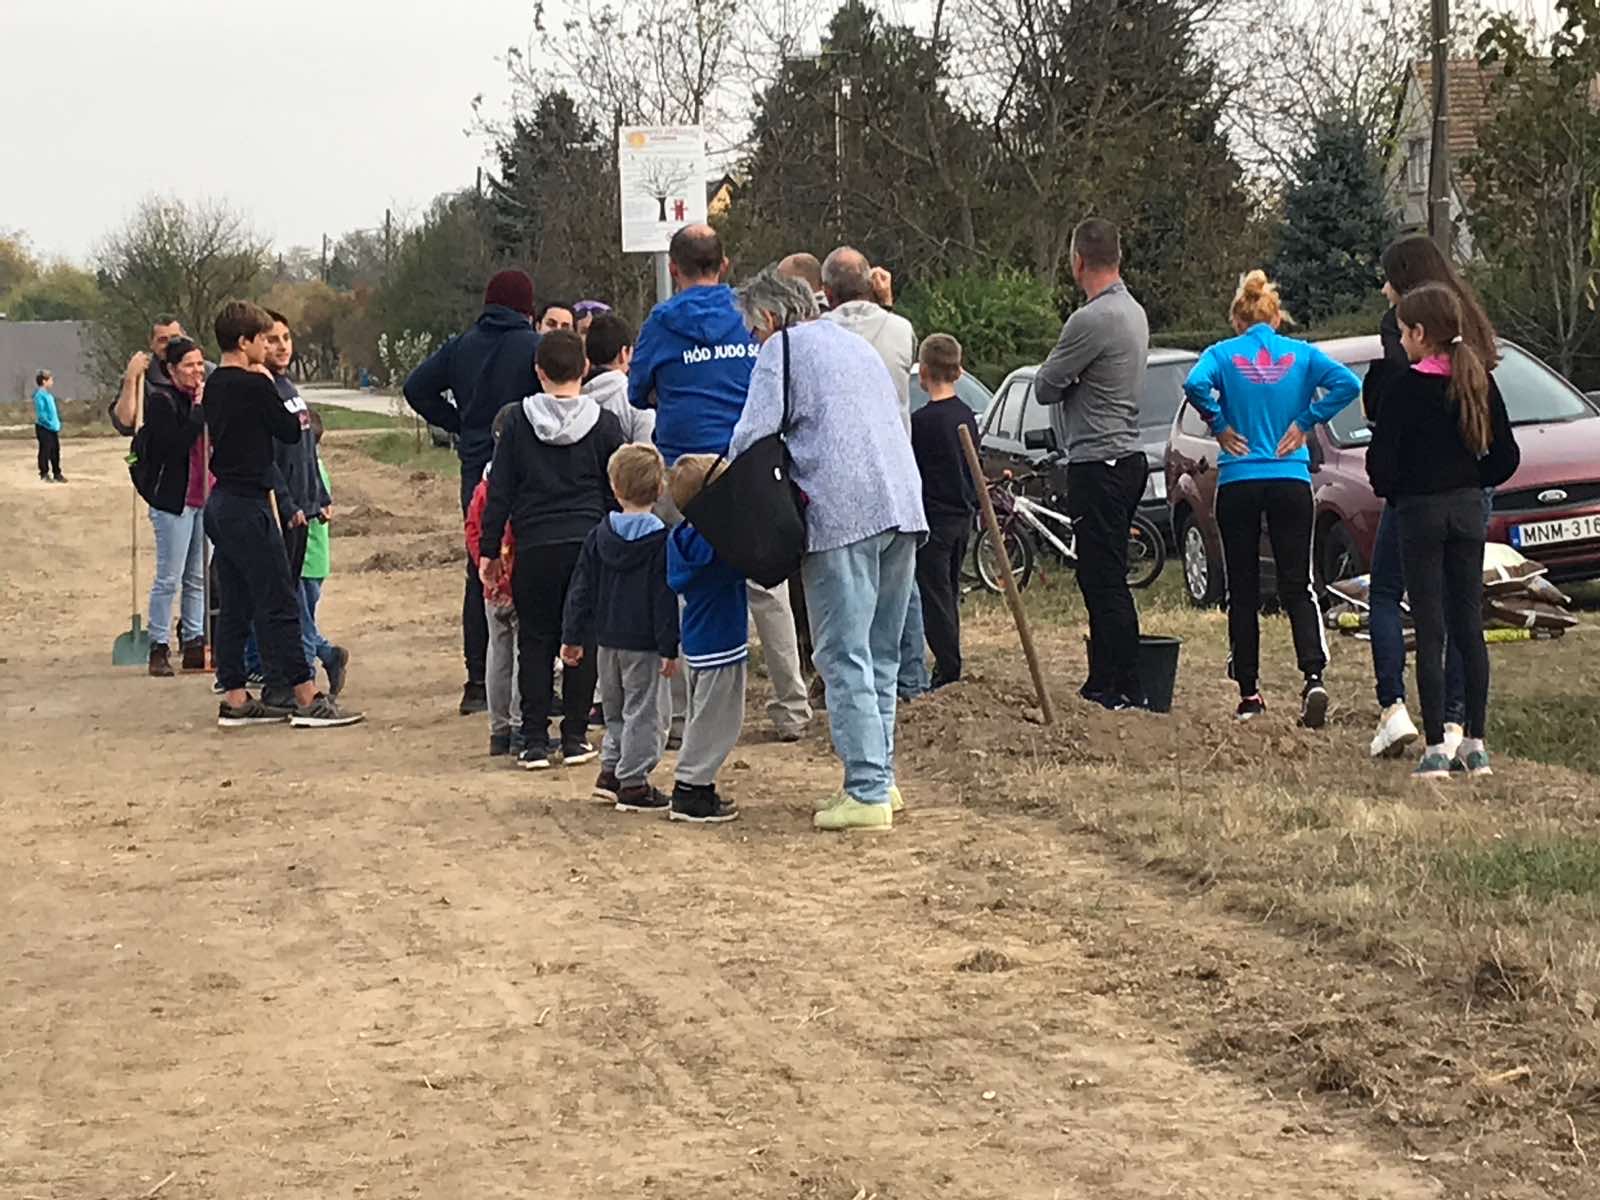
1024,521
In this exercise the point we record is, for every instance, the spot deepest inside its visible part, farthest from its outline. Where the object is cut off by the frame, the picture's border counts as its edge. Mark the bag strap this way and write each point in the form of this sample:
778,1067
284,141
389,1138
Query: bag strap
783,427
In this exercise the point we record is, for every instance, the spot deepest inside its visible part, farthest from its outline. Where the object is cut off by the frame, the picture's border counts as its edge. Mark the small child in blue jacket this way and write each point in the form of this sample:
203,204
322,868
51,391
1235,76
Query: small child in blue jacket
714,637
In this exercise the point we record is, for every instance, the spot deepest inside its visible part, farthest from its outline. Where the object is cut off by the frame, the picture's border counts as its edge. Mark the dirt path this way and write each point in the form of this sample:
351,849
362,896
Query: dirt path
369,963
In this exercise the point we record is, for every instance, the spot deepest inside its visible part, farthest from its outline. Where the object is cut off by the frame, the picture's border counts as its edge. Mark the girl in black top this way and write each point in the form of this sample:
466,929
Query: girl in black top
1442,438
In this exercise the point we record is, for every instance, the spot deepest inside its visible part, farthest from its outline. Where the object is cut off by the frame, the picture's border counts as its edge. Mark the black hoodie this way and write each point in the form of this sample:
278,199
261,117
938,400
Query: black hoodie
618,597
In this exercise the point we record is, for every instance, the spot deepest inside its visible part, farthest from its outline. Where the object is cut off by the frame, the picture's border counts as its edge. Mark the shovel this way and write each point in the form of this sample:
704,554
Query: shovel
132,649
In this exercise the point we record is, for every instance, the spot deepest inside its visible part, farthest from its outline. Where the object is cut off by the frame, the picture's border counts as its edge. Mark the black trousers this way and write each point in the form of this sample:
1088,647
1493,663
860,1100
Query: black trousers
254,588
1101,500
49,451
802,621
474,617
1287,508
1441,544
539,584
939,562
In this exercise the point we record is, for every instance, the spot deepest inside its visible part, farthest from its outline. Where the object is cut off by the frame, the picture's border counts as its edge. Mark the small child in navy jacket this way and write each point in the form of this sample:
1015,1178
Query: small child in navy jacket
715,651
619,602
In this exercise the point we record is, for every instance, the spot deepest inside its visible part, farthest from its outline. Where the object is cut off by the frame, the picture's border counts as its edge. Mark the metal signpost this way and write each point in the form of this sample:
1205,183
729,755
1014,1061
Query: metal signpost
661,170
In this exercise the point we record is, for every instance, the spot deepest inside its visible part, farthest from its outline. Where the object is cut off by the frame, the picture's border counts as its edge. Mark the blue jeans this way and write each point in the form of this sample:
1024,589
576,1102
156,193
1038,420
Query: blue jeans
913,680
856,599
1388,632
318,648
180,567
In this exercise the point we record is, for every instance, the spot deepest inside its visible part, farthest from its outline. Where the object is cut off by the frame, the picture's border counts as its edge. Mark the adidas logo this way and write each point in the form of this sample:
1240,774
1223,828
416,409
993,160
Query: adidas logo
1264,369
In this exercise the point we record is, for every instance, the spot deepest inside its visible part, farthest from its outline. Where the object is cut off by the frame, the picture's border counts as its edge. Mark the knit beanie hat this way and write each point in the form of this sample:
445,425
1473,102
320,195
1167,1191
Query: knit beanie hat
511,288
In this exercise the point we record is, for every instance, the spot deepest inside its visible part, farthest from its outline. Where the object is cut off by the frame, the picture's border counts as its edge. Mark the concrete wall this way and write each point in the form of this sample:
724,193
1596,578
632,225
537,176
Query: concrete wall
60,347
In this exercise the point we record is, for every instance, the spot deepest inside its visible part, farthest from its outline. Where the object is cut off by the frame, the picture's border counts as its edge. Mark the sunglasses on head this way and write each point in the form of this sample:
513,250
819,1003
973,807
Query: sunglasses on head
590,308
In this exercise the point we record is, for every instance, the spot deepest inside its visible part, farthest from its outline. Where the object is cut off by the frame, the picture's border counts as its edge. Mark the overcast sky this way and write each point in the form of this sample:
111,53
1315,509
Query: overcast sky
309,115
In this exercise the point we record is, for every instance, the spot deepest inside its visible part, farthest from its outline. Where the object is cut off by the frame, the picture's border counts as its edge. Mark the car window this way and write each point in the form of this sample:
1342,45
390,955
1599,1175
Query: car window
1163,392
1192,424
973,394
1007,412
1034,414
1534,393
918,394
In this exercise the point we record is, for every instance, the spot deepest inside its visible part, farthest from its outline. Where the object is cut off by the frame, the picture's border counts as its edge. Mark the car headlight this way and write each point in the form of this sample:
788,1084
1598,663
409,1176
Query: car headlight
1155,486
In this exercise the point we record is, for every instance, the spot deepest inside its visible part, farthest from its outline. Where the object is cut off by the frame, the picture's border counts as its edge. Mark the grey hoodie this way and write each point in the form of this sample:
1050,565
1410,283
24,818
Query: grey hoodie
891,336
560,421
610,391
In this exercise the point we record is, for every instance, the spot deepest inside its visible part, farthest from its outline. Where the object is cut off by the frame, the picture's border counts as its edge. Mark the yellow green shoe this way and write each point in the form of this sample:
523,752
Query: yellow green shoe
897,802
823,803
850,814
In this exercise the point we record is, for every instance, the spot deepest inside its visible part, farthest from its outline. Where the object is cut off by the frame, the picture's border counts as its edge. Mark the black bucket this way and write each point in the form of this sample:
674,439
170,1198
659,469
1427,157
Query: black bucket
1158,670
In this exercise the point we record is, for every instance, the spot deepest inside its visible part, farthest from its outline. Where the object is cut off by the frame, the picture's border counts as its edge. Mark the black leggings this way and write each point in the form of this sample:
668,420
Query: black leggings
1441,544
49,451
1286,505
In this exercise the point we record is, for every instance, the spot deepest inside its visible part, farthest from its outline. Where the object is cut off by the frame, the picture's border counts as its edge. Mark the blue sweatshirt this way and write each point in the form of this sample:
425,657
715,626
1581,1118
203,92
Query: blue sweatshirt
44,411
1260,383
716,612
692,362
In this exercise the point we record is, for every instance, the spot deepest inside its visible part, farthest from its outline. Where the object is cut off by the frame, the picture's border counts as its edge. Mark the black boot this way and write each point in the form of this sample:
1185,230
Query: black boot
474,699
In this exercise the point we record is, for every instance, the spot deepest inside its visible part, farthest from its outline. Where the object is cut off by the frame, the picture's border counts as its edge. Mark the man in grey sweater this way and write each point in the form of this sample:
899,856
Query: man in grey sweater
1094,378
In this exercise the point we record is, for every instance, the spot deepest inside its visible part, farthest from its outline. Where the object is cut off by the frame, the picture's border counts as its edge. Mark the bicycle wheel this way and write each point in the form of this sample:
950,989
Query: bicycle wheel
1147,553
1019,549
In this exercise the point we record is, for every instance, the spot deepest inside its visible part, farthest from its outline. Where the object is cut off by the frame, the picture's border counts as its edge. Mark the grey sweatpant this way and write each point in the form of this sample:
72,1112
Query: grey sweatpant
500,669
633,695
716,715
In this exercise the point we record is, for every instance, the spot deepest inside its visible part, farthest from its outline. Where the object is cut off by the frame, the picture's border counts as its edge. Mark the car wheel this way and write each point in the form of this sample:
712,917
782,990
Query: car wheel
1202,571
1337,557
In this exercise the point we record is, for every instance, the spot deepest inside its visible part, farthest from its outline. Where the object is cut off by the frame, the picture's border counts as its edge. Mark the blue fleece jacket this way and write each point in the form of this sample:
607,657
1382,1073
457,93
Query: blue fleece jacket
1260,383
45,414
716,612
692,363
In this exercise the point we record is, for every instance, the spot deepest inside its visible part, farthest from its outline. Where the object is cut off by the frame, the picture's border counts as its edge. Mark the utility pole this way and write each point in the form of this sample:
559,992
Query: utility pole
1439,161
324,258
388,239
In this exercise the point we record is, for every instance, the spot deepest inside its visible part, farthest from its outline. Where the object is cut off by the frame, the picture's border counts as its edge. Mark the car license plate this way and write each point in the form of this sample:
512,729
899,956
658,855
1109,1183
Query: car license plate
1544,533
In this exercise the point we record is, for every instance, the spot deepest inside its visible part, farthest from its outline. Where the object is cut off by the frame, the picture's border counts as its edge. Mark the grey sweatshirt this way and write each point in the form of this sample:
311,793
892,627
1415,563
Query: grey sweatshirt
891,336
610,391
1095,377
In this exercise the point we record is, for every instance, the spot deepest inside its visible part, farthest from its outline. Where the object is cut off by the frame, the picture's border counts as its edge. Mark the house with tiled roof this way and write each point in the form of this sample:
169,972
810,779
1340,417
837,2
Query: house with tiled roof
1411,147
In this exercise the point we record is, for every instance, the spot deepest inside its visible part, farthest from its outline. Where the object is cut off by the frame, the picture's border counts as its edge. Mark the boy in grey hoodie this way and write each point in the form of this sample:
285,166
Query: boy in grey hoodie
609,345
549,480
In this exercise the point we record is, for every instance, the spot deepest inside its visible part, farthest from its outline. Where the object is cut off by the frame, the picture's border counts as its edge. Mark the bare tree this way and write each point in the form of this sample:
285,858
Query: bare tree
660,179
174,257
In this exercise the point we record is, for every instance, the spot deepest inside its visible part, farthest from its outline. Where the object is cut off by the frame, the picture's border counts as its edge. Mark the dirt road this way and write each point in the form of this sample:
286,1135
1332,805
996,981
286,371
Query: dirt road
368,963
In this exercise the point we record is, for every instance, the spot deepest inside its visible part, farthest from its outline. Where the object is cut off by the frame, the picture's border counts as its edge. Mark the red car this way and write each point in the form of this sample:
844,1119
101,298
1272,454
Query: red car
1550,509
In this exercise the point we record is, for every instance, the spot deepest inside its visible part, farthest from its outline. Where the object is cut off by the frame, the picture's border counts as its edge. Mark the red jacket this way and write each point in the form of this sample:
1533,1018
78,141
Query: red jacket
508,546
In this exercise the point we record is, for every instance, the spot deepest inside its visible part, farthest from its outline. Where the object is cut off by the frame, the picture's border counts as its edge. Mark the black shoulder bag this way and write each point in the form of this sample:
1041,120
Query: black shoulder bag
753,514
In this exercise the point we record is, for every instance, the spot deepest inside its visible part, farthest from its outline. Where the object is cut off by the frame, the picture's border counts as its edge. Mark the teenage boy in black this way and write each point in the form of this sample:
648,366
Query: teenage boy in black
948,497
244,416
549,479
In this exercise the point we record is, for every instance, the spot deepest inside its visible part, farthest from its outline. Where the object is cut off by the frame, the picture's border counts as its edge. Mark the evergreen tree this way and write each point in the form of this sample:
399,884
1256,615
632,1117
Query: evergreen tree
1335,224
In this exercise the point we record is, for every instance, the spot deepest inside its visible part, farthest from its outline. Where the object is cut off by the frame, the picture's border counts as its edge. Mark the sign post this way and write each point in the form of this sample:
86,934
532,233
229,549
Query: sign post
661,174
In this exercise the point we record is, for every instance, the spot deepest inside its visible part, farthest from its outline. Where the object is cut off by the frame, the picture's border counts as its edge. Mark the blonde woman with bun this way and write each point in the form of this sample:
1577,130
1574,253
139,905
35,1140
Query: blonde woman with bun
1259,392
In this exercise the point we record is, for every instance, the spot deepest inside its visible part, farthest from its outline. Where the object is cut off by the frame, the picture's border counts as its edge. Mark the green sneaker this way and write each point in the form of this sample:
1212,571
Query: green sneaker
850,813
1432,766
824,803
897,802
1476,763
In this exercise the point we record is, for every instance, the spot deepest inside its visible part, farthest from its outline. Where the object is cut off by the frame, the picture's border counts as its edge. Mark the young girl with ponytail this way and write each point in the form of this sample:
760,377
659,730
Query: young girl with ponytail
1442,438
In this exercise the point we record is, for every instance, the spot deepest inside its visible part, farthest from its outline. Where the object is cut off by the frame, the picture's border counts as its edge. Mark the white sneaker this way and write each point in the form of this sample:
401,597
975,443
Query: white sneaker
1453,736
1395,732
